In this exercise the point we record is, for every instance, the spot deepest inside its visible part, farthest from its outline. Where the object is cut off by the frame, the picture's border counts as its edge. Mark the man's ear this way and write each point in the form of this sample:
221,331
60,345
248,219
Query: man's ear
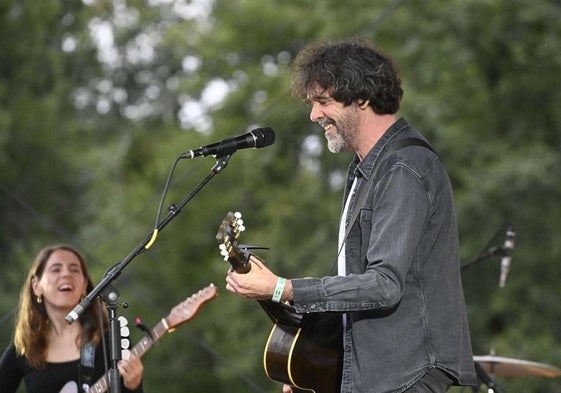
363,104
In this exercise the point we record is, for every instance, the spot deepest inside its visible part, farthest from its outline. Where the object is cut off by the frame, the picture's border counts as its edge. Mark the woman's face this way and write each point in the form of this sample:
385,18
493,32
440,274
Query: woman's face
63,281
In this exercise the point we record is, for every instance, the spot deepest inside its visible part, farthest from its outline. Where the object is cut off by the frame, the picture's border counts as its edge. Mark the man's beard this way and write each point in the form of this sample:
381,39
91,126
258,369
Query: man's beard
346,130
336,141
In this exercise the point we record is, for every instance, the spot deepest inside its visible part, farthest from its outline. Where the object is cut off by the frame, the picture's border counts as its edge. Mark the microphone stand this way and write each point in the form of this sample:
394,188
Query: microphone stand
110,295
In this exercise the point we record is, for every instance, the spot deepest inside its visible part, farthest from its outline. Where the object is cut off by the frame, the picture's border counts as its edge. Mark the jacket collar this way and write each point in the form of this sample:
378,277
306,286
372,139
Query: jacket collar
363,168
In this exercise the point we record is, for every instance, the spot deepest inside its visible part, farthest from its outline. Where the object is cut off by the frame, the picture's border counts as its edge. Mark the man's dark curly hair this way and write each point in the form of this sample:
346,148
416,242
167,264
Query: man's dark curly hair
349,70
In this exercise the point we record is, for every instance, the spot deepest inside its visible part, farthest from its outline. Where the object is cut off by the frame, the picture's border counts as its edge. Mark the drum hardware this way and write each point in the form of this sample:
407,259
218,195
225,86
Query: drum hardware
506,367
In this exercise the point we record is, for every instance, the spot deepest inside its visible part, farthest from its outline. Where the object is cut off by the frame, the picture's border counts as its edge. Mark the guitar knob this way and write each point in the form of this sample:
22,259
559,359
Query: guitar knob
125,331
123,321
125,354
125,345
125,341
238,215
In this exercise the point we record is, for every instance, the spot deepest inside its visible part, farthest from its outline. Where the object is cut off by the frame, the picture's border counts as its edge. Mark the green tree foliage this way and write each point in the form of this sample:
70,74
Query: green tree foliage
99,98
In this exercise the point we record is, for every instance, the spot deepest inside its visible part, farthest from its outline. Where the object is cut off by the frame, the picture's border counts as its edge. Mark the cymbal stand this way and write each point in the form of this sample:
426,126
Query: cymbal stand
484,378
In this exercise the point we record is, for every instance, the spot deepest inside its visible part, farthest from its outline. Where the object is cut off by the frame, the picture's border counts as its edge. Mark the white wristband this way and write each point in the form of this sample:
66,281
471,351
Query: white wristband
279,289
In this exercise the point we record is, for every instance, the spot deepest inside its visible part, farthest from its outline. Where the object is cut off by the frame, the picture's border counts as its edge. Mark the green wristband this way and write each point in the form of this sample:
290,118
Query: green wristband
277,294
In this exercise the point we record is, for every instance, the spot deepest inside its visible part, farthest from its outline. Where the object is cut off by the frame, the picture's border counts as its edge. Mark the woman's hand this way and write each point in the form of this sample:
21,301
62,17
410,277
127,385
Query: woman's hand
131,370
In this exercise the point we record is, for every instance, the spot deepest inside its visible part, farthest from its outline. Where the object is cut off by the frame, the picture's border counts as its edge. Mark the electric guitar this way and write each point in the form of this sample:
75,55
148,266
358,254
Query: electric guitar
181,313
303,350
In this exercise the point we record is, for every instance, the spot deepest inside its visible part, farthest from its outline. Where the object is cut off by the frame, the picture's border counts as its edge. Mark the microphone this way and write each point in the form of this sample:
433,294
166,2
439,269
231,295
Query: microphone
508,246
260,137
77,311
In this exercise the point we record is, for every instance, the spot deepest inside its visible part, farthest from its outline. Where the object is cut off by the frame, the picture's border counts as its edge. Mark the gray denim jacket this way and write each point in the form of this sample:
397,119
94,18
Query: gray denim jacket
402,293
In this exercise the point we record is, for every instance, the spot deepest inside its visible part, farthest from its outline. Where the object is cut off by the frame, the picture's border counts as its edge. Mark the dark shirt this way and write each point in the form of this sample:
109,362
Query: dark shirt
51,379
402,292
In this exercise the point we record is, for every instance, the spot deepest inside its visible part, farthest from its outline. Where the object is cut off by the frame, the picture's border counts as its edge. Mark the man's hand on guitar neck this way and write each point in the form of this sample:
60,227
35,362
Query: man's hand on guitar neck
258,283
286,389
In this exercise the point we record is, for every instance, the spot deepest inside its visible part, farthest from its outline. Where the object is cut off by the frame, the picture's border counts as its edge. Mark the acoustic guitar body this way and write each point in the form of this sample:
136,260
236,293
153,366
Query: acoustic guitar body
304,351
308,355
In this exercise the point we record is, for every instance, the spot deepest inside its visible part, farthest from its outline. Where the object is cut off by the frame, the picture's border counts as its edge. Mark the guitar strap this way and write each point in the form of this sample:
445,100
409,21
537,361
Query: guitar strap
87,366
397,145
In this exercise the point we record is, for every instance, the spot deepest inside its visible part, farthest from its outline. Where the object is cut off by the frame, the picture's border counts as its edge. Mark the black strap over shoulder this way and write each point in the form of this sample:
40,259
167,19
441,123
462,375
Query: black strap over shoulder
87,366
402,143
393,147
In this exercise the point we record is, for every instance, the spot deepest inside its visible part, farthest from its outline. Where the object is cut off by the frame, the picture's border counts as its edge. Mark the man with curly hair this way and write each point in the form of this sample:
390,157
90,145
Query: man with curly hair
398,287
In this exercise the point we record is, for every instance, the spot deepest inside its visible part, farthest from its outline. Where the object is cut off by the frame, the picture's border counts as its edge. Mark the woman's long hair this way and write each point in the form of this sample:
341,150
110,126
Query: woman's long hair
32,321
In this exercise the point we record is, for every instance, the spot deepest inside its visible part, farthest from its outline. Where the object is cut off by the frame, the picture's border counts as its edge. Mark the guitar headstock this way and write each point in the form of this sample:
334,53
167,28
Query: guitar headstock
227,236
188,308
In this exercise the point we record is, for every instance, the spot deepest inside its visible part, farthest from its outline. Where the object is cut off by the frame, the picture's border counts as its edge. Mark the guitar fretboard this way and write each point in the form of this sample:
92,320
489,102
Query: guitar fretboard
139,350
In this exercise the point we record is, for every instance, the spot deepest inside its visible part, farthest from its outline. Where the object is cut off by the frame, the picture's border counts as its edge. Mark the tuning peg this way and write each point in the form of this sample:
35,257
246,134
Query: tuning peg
238,219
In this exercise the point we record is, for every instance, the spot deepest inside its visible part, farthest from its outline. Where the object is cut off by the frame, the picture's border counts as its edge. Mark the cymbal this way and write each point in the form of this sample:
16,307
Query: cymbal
505,367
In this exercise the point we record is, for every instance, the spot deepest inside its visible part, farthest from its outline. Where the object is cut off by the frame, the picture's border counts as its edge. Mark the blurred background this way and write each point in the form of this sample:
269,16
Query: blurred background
98,99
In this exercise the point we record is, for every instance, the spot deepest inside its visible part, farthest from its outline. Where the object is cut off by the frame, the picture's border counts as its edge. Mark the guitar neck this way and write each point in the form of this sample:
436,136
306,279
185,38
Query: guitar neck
139,350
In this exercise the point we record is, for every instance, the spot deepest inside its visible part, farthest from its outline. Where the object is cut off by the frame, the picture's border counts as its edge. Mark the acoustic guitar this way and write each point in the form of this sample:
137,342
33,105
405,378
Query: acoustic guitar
181,313
303,350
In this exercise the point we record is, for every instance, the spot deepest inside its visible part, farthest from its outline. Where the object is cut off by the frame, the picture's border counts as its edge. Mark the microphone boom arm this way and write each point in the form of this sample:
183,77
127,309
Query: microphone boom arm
491,252
116,270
